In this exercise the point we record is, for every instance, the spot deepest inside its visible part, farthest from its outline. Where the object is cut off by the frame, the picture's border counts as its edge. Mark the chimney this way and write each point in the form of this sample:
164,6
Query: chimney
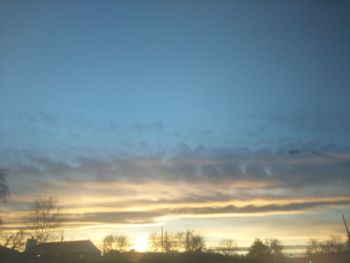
31,243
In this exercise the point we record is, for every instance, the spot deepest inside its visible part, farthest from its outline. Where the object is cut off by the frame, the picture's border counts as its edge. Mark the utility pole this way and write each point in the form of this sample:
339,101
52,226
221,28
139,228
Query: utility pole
347,231
162,241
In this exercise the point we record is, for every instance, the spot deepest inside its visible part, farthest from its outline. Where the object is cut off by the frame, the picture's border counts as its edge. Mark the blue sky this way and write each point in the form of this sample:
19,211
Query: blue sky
223,69
86,84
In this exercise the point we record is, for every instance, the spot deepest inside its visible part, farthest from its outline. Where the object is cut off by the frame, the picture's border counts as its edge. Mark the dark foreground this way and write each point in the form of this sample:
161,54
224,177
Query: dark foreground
172,258
216,258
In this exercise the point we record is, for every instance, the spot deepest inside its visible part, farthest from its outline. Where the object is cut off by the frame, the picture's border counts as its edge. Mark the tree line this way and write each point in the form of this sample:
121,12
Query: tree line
189,241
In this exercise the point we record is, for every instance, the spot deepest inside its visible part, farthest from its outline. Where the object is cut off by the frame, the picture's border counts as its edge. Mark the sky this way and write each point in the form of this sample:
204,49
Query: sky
141,114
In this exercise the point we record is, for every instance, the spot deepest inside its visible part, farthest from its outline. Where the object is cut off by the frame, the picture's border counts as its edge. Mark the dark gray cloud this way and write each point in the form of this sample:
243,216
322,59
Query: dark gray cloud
105,217
292,207
199,164
150,216
132,217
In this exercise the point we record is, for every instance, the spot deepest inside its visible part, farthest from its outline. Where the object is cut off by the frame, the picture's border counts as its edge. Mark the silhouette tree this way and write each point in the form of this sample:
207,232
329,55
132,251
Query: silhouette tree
313,247
228,247
167,243
14,240
276,249
177,241
115,243
334,245
45,219
172,242
155,242
259,250
122,243
193,242
108,243
181,241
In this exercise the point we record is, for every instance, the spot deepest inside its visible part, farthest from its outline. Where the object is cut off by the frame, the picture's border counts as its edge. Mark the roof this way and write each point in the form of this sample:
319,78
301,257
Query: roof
81,246
8,251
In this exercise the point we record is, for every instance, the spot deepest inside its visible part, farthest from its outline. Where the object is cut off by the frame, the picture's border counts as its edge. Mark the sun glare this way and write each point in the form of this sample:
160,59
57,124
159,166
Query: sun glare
141,244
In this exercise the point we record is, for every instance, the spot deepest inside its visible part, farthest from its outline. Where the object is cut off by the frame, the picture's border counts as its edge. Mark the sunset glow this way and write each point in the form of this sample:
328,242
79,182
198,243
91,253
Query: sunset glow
227,118
141,244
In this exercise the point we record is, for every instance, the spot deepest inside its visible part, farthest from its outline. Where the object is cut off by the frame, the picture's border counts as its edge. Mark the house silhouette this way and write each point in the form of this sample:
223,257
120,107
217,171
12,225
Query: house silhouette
65,251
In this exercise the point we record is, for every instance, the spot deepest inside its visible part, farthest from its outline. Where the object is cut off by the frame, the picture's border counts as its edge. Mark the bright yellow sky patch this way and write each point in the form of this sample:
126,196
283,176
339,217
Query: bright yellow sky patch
141,243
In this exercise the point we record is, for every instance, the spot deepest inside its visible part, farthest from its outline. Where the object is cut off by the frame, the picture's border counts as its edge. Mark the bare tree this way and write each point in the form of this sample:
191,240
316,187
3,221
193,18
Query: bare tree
276,249
193,242
122,243
187,241
155,242
334,245
179,237
172,242
115,243
313,247
228,247
14,240
108,242
45,219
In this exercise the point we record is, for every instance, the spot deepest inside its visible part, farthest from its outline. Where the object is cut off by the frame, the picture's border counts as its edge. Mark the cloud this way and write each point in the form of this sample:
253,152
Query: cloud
186,180
144,127
223,167
131,217
251,209
154,215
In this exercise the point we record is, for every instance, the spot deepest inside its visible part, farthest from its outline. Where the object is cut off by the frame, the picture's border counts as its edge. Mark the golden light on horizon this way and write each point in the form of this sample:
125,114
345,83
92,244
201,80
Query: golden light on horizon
141,244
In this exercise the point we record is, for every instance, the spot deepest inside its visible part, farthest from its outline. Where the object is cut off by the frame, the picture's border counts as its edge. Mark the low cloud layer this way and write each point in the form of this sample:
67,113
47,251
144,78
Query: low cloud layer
186,181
